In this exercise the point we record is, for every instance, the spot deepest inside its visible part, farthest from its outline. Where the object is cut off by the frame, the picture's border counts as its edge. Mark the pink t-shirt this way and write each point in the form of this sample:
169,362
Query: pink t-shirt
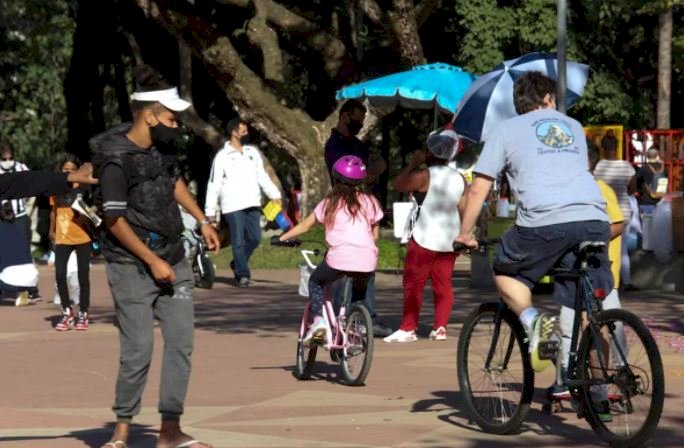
350,240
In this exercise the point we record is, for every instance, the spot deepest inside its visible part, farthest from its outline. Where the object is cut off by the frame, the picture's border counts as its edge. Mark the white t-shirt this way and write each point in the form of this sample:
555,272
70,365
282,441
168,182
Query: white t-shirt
617,174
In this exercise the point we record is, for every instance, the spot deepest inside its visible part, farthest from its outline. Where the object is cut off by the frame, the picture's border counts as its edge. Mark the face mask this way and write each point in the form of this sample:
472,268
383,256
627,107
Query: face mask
165,138
7,164
354,127
244,140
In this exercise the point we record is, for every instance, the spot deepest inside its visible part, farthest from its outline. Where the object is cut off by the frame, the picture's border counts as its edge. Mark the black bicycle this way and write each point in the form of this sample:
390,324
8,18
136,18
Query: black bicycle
615,372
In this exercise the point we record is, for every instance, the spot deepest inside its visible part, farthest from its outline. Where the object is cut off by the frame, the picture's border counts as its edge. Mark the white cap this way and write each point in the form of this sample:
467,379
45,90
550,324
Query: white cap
168,98
444,143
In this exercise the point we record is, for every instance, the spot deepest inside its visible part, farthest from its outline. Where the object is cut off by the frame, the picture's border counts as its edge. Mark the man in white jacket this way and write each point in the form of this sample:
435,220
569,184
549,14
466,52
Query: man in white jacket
237,178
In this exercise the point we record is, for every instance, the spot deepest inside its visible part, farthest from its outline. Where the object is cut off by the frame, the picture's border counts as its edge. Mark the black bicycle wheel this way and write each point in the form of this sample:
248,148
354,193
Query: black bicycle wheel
497,393
624,405
306,357
357,360
204,272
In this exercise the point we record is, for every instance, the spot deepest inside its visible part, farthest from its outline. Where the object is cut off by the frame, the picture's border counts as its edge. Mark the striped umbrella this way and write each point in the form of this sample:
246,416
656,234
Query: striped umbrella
489,99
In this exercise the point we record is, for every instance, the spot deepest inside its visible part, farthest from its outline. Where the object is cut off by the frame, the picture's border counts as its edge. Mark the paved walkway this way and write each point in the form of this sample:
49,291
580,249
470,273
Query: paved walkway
57,388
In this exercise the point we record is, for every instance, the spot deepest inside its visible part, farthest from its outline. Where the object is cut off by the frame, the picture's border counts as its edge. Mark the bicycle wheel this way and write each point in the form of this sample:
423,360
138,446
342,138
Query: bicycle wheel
204,272
306,356
496,393
623,406
357,360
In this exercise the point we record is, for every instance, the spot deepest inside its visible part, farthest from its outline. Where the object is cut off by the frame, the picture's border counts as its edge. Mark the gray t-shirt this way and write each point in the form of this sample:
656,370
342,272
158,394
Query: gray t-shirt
544,154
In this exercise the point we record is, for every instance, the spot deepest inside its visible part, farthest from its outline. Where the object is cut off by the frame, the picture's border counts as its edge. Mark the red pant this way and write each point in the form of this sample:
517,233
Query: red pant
421,263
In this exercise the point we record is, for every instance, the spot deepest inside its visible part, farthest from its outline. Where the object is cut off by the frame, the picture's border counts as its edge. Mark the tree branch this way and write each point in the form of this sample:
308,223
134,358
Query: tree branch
331,48
403,21
263,36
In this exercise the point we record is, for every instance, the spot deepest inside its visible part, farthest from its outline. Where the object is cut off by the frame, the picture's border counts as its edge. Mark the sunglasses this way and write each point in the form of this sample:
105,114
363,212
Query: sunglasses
6,159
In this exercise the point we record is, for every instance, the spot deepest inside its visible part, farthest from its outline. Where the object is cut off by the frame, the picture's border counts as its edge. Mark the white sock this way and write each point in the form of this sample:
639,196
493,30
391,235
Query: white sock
527,317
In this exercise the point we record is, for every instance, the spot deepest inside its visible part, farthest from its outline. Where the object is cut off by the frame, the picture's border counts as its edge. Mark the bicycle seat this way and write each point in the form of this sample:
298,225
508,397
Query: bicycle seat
591,247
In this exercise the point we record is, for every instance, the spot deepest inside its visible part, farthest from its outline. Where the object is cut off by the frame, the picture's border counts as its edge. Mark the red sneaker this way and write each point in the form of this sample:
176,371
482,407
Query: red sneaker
82,321
67,320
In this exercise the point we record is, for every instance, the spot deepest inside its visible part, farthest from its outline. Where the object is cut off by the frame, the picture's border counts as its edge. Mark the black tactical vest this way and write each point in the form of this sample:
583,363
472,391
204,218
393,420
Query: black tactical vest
152,211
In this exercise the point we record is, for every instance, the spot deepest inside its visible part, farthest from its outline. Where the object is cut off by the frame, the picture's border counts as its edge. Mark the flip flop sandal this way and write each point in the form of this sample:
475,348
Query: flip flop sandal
117,444
188,444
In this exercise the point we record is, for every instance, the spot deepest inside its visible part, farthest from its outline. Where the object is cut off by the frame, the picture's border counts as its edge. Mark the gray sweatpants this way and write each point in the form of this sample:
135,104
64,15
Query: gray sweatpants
138,299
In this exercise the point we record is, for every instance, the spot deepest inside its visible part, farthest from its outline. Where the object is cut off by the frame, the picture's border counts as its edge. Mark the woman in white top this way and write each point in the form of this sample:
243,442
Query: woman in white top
620,175
439,192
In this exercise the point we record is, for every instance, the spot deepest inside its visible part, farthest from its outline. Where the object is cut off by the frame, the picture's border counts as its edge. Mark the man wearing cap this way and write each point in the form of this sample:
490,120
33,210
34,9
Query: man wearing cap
147,271
235,184
438,194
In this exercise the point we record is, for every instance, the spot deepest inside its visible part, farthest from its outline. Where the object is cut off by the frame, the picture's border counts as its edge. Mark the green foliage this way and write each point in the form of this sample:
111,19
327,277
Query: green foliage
487,30
604,101
390,254
34,58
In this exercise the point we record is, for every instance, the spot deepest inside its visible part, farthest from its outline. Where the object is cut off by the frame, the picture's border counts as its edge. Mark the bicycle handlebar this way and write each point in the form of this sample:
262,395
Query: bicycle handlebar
275,241
483,242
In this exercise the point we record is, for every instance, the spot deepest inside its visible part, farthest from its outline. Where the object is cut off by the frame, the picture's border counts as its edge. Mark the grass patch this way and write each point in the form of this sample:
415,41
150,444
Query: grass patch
390,254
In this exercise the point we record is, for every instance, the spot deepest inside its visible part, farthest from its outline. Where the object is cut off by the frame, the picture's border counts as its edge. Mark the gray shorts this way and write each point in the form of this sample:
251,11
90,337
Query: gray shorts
529,253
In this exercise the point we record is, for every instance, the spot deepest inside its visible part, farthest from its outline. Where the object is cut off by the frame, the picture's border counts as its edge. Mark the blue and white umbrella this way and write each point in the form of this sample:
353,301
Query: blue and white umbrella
428,86
489,100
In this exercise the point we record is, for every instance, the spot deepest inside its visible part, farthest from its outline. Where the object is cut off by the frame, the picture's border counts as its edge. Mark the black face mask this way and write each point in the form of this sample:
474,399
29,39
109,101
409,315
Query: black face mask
354,127
244,140
165,138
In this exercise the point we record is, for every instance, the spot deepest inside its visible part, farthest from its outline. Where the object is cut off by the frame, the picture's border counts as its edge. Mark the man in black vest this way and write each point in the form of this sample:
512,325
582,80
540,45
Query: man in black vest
149,276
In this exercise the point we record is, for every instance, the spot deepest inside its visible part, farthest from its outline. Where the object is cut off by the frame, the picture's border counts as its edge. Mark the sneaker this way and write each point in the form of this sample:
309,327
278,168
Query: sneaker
559,392
438,334
317,331
541,333
602,410
22,299
243,282
67,321
401,336
380,330
82,321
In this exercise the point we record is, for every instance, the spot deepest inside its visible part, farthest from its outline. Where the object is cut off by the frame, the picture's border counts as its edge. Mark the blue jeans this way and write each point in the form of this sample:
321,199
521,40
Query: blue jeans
338,291
245,235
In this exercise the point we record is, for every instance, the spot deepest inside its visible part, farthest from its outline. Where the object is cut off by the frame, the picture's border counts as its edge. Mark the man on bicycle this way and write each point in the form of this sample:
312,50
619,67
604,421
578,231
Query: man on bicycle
544,155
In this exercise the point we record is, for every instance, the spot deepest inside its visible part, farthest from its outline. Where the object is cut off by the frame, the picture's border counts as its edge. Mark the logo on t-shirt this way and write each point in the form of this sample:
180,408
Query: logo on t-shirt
554,134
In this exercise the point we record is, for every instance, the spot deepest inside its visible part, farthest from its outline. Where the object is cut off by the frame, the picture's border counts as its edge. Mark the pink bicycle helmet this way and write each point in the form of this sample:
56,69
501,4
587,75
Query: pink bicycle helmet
349,169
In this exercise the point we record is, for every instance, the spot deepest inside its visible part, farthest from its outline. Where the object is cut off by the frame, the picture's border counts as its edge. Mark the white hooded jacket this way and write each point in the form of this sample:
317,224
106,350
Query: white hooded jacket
236,181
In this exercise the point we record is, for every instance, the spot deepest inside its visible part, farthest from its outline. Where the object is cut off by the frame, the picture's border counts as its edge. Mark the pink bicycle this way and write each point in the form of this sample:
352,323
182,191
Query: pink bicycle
349,335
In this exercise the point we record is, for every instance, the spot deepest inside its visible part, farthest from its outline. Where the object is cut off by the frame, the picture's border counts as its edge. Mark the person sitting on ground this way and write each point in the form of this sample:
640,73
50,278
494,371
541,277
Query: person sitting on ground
439,199
559,204
350,216
18,275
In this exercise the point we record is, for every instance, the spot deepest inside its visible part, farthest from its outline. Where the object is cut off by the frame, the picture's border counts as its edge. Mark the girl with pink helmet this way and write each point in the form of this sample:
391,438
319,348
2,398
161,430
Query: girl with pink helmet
351,217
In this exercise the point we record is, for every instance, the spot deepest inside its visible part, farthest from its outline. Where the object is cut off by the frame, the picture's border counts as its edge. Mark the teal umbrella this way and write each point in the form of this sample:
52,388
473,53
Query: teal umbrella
439,86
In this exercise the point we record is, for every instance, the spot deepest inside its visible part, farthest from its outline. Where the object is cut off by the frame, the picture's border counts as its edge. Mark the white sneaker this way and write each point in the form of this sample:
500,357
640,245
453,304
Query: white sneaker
439,334
318,330
22,299
401,336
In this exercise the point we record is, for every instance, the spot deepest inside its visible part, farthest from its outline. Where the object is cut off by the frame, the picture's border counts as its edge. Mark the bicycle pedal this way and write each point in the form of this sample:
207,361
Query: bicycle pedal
548,349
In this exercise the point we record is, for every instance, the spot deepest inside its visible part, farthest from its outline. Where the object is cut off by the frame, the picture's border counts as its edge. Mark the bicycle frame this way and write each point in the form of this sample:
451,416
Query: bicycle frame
336,337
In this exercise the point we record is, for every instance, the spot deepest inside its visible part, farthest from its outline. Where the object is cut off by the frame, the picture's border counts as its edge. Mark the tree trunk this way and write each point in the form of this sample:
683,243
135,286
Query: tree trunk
664,69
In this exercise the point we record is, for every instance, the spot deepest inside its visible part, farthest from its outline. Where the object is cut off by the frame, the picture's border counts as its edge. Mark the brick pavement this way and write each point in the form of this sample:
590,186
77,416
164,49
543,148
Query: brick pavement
57,387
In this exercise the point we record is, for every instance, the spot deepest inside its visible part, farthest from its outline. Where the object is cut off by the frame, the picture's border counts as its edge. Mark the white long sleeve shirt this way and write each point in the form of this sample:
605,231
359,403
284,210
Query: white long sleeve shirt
236,181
